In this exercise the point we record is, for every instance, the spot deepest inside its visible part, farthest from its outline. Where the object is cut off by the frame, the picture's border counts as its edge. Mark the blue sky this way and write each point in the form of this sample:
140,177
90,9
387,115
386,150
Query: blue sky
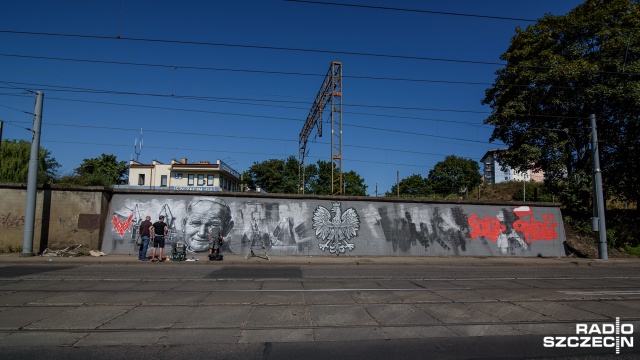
245,99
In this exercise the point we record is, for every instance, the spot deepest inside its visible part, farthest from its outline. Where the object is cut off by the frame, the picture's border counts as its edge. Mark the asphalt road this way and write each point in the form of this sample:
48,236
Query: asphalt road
287,308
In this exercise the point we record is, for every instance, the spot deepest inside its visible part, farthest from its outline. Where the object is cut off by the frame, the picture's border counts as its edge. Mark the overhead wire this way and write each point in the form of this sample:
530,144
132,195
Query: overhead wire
492,17
173,132
248,46
259,102
14,109
296,119
253,71
233,152
278,48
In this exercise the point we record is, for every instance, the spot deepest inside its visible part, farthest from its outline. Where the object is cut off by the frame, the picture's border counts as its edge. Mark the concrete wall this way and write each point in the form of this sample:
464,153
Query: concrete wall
298,225
329,226
64,217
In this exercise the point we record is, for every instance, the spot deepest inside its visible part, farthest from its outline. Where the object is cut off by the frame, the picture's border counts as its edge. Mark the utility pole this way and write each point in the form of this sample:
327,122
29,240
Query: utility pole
1,123
398,183
598,222
32,179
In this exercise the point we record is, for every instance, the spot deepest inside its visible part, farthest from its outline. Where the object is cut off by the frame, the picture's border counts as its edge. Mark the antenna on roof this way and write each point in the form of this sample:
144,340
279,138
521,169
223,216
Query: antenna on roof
137,149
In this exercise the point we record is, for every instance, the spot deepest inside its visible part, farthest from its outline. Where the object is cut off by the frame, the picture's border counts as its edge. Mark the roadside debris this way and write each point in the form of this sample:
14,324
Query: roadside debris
69,251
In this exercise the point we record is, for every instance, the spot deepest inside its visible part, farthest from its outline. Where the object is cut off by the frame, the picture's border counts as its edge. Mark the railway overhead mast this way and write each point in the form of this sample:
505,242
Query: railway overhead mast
330,93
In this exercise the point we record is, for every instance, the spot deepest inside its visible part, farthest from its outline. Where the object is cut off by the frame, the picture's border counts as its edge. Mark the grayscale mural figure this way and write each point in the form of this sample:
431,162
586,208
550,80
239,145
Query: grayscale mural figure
509,239
204,215
337,229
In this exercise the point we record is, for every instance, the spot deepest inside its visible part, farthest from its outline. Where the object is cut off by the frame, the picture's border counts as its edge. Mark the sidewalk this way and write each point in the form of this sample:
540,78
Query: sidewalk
234,259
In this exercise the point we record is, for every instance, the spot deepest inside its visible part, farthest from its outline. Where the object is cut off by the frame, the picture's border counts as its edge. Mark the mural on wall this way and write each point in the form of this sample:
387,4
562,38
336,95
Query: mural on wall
335,230
321,227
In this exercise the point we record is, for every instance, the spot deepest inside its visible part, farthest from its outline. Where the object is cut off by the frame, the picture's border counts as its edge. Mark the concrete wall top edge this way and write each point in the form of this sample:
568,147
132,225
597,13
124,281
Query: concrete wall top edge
111,191
55,187
329,197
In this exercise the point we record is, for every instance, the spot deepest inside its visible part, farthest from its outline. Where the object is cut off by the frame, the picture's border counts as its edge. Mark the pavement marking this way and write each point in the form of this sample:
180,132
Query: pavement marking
600,293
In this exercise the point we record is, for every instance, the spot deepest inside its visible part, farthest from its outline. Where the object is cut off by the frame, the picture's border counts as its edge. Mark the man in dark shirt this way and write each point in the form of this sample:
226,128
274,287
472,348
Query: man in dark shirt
159,230
145,235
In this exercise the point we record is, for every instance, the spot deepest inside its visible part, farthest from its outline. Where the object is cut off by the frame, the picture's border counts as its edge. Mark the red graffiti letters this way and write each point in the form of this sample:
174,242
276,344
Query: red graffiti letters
491,228
121,226
533,230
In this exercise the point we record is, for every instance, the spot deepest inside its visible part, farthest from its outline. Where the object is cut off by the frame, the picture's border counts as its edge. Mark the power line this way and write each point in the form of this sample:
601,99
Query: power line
414,133
413,10
298,120
60,88
12,123
265,138
253,71
22,111
16,87
260,102
226,151
257,47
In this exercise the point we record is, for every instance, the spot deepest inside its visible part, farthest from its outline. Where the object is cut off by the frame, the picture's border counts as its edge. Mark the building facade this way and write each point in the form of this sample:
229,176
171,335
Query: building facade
493,172
180,175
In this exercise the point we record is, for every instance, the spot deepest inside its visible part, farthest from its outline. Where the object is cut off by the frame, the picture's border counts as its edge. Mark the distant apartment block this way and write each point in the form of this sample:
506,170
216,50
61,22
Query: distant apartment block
493,173
180,175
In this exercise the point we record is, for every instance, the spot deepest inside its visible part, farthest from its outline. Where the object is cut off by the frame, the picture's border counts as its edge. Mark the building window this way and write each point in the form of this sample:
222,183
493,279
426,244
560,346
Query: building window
200,179
210,180
141,179
190,179
163,180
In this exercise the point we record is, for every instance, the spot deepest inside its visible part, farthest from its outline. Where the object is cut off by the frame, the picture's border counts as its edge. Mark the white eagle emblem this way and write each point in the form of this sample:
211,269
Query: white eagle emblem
337,229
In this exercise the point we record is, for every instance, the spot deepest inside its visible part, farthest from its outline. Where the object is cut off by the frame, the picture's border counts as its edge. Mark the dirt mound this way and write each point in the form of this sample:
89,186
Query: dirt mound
585,245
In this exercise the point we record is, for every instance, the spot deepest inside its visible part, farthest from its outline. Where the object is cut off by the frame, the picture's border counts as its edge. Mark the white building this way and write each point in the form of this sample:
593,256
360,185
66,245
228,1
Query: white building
493,173
180,175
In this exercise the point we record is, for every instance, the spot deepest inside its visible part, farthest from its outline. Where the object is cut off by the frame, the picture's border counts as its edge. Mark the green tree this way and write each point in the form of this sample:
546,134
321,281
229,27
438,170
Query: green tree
105,170
353,184
454,175
274,176
558,72
412,186
14,162
320,184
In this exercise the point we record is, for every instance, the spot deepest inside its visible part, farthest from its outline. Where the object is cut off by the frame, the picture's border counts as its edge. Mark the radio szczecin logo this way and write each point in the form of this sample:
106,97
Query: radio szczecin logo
595,336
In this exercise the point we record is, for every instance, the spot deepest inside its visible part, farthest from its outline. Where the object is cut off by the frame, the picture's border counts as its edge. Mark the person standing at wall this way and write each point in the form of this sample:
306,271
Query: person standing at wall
145,235
159,230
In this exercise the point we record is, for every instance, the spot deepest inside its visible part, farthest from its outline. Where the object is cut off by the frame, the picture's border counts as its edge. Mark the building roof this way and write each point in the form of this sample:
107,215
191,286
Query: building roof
491,152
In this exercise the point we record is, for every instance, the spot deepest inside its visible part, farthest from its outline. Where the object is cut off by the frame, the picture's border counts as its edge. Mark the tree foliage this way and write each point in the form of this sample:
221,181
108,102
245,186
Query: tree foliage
282,176
353,184
274,176
558,72
105,170
14,162
412,186
454,175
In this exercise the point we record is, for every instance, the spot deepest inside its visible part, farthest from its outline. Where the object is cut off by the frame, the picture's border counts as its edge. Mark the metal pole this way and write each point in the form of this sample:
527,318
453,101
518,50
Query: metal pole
32,179
598,195
398,183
